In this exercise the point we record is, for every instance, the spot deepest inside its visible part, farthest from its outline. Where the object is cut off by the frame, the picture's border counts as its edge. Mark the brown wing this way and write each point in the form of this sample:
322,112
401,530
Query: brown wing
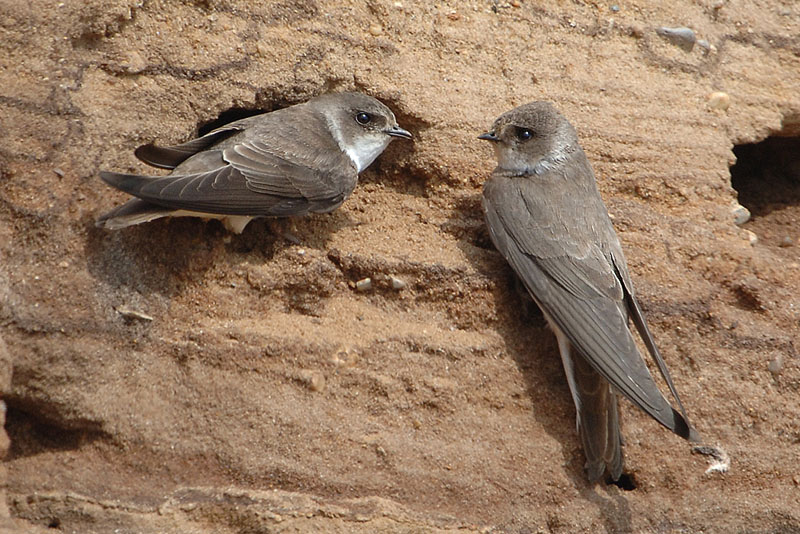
571,279
276,164
170,157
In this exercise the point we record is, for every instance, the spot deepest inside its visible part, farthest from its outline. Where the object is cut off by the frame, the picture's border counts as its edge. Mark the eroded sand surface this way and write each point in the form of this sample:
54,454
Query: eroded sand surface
267,394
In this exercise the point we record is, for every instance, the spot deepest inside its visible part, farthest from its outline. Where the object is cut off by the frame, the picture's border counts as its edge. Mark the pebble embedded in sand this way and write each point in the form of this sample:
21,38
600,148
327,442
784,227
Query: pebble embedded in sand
376,30
776,364
365,284
397,283
313,380
787,241
753,238
345,358
683,38
317,382
132,62
719,100
740,214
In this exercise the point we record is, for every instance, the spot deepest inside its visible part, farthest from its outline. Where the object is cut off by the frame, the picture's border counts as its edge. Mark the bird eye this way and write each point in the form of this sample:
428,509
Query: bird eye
363,118
523,134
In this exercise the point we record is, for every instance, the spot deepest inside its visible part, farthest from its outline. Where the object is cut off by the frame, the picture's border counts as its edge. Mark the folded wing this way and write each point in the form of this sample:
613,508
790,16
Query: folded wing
255,167
577,287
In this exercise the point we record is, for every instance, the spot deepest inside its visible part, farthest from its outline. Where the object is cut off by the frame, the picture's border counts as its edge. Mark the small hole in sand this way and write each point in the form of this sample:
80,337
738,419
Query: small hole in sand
226,117
626,482
767,178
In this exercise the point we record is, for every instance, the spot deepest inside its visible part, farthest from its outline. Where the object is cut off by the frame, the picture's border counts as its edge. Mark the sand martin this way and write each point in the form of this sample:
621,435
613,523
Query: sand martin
293,161
547,219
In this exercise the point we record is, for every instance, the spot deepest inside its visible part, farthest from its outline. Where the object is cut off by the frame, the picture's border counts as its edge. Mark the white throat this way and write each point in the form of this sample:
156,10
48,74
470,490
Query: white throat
365,149
361,150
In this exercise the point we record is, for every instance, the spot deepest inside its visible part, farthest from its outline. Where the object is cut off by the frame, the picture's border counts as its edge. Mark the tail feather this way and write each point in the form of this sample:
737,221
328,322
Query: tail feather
169,157
598,421
130,183
134,211
597,414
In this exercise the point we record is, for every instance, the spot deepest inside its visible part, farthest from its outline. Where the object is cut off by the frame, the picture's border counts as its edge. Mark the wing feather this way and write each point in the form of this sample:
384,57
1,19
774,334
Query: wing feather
170,157
576,286
254,166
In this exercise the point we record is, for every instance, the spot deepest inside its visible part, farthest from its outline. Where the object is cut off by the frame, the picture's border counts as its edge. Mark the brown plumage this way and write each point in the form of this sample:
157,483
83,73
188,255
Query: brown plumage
294,161
547,219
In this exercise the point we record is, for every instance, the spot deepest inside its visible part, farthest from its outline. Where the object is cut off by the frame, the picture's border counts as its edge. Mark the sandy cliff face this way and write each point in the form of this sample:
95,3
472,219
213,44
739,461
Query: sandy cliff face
267,394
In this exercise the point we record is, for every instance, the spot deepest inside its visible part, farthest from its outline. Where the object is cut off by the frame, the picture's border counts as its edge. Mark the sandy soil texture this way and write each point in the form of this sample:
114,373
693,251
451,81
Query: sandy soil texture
259,391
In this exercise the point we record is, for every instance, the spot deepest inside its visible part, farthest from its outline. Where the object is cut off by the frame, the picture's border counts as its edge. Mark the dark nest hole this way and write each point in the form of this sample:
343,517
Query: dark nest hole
31,434
767,177
226,117
626,482
262,105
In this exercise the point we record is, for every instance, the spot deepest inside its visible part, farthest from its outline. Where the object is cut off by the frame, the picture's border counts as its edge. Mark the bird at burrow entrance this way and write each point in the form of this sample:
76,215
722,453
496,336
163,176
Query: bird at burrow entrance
294,161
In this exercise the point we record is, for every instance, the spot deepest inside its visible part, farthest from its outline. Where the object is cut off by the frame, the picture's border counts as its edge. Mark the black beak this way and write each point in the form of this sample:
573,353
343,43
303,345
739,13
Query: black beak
489,136
396,131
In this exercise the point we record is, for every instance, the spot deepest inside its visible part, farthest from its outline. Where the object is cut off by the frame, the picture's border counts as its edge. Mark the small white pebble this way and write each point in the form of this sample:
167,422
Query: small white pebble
397,283
740,214
317,382
719,100
376,30
364,284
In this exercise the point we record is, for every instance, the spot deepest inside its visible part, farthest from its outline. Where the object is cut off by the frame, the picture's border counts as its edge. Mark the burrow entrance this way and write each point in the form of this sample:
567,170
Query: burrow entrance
767,177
